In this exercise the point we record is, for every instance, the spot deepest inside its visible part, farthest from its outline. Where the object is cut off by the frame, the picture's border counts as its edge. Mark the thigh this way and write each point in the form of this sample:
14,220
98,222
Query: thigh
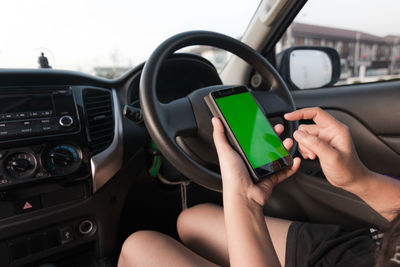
148,248
202,228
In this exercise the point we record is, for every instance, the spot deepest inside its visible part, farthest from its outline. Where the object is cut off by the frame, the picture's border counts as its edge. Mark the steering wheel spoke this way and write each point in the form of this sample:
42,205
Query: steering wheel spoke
275,107
178,117
272,103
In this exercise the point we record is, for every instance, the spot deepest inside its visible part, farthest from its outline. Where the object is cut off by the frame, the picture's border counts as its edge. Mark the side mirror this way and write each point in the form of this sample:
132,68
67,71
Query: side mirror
307,67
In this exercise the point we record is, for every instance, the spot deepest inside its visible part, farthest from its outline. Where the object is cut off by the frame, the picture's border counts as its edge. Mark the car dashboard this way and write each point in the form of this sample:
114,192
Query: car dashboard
68,156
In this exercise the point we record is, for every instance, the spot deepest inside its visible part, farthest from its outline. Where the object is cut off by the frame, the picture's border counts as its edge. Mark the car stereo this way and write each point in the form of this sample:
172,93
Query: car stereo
36,112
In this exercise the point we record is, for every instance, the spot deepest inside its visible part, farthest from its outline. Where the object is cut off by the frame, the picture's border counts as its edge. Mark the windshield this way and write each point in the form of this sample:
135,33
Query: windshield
106,38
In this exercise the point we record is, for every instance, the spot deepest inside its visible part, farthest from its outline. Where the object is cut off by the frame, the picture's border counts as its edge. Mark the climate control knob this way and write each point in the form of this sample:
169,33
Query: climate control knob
20,165
66,121
63,159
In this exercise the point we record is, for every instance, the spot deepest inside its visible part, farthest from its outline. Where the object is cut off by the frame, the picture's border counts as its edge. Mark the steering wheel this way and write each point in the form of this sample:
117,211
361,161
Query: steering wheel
182,128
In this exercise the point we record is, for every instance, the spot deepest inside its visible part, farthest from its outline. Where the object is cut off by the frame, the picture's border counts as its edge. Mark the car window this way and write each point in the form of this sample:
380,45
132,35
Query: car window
365,34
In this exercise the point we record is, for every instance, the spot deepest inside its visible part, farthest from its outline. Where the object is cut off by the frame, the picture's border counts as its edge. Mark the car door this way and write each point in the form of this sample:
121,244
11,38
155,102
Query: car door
366,99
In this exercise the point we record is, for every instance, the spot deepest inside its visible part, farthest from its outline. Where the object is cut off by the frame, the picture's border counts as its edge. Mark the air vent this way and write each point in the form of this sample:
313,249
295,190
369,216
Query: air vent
100,119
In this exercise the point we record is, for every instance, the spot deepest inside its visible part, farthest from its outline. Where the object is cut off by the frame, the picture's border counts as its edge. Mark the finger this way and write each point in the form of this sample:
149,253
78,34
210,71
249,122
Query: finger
320,117
310,128
315,145
304,152
290,171
278,129
220,141
288,143
313,130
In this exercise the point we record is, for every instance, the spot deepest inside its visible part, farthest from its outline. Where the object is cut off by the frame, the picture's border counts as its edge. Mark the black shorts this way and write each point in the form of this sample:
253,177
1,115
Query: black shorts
328,245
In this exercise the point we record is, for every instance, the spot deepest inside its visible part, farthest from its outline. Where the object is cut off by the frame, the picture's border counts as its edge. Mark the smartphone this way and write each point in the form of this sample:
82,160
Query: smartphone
249,131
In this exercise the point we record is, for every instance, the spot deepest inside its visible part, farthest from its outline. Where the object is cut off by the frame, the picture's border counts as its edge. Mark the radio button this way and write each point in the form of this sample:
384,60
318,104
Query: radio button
47,128
46,113
21,115
45,121
6,126
6,133
66,121
24,131
33,114
21,127
44,125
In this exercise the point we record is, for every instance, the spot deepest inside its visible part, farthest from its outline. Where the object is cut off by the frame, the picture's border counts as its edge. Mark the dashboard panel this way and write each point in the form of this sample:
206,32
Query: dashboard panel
51,132
53,143
68,157
34,114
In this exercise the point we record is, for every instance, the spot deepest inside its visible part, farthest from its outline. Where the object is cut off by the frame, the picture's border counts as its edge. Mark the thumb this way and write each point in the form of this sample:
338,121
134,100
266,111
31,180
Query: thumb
315,144
220,141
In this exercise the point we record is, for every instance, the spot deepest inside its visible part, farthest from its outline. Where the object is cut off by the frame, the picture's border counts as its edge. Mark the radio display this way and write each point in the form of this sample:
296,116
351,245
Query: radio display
15,104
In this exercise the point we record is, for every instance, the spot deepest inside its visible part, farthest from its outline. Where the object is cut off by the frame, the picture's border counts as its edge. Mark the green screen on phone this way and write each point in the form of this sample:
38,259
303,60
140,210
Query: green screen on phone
255,135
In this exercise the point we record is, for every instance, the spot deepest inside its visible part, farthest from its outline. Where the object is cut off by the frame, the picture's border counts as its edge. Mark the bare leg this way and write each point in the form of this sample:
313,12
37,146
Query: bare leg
147,248
202,229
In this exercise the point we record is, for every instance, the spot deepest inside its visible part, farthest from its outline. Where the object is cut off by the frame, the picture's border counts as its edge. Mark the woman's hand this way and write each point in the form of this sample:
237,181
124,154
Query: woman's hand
235,176
330,140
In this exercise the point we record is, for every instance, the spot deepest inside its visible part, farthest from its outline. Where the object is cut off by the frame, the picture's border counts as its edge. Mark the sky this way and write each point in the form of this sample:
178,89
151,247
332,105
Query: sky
78,33
378,17
81,34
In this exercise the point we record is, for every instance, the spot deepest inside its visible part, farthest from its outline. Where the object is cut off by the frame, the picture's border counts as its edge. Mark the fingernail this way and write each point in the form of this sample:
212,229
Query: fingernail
213,121
298,135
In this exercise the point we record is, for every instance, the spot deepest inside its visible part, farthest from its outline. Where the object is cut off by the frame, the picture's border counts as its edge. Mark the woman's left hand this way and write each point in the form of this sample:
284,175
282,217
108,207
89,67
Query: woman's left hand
235,176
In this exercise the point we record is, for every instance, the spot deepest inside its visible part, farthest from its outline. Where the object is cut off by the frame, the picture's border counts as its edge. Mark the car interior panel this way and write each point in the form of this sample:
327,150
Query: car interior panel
70,191
86,160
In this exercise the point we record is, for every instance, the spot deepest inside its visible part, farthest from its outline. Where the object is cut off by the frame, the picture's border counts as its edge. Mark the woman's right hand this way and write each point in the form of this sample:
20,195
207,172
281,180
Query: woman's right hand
331,141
